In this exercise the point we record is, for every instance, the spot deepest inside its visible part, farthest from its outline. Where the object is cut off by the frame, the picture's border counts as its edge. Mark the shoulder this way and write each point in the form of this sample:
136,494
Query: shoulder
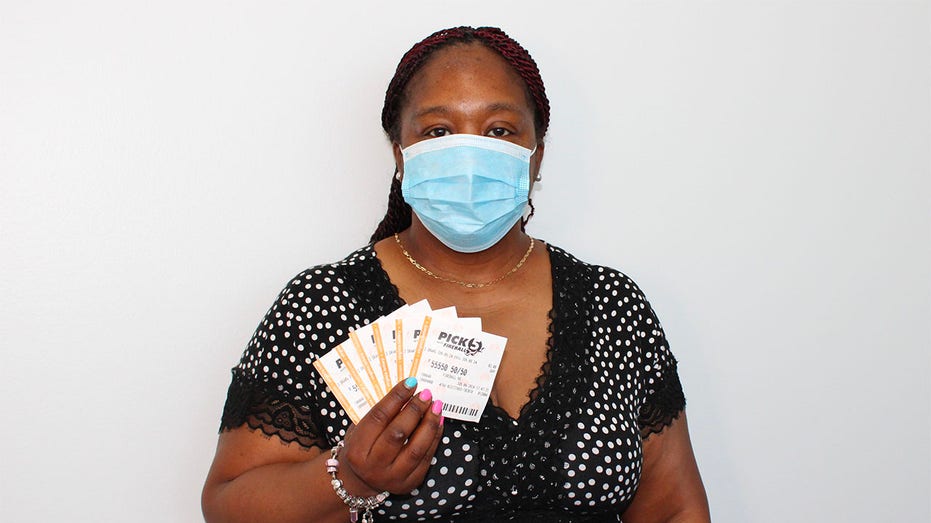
603,283
329,281
320,303
334,273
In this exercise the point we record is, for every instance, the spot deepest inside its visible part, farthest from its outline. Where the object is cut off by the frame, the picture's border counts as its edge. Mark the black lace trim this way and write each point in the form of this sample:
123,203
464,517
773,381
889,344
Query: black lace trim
260,407
564,338
663,406
373,291
545,369
565,376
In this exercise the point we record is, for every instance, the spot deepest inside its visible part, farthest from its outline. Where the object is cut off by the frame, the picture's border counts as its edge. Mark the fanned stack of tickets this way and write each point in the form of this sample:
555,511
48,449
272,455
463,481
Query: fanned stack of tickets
449,355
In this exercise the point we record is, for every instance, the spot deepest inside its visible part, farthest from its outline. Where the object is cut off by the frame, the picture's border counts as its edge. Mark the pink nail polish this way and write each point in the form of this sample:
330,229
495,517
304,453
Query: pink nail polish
437,407
442,419
425,395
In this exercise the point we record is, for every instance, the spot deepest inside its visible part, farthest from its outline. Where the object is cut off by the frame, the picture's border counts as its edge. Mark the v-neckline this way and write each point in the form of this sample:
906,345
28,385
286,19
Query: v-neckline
546,369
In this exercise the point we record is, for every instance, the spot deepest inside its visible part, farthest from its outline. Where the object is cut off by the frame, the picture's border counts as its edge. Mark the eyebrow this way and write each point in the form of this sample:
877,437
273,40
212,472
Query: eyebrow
444,110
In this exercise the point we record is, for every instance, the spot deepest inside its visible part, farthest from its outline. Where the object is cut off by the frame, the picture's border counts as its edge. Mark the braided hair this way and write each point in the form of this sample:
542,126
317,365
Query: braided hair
398,216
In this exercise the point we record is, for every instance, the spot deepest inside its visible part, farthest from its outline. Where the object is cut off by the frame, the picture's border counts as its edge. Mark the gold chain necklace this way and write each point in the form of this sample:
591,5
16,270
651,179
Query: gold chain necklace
460,282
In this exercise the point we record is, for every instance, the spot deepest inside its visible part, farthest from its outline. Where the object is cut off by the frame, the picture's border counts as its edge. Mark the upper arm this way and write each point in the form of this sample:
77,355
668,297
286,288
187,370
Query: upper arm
244,452
242,449
256,478
670,488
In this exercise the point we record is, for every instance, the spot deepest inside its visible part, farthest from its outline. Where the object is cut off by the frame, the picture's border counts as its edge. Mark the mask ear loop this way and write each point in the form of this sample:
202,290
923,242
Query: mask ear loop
537,178
524,221
397,169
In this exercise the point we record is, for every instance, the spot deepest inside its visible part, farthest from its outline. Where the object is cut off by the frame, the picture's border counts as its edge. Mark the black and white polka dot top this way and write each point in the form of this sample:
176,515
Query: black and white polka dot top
574,453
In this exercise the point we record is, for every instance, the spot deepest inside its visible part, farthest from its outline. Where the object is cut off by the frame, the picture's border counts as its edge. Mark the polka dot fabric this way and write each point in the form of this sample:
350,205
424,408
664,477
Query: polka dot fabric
573,454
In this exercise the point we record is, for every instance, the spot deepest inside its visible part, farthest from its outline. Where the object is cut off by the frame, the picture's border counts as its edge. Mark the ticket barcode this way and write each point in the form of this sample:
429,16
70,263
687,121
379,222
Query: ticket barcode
459,409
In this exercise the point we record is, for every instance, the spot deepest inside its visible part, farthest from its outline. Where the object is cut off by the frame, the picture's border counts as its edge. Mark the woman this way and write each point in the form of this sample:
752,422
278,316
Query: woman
586,419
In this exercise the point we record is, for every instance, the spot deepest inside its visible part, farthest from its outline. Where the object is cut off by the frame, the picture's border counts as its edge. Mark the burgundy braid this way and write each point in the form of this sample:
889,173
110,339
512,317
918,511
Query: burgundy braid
398,216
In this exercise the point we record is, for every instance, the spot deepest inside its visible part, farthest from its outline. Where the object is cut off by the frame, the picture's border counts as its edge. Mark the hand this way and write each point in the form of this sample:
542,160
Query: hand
392,446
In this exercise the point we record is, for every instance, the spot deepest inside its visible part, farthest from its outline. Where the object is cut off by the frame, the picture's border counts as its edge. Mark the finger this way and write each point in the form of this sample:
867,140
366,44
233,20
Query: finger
422,443
382,413
389,443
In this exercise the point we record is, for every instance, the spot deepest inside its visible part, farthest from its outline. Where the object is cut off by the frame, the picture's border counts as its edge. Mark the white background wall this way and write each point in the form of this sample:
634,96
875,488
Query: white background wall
762,169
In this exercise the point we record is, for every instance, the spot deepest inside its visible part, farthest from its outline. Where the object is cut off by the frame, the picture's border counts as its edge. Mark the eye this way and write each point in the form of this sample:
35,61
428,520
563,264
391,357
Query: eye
436,132
498,132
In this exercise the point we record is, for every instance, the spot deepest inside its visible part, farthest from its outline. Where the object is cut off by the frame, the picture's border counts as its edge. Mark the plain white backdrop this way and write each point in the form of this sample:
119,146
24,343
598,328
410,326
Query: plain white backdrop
762,169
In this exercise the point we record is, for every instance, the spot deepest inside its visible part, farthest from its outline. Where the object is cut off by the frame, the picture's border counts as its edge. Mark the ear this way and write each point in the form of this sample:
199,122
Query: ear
398,159
535,161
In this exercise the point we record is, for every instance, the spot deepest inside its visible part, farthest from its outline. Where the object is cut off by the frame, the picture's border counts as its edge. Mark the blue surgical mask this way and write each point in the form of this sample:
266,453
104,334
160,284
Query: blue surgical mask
467,190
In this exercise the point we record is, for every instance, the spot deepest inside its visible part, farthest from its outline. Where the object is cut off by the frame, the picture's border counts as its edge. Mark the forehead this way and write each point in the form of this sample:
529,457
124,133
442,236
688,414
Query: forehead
466,72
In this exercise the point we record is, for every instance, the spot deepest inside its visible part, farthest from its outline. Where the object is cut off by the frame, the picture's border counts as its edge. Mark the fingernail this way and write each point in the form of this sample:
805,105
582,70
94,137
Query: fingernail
425,395
437,407
410,382
442,419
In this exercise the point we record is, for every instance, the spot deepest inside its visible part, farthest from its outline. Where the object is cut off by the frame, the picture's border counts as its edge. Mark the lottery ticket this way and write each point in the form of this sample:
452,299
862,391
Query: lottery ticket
341,382
367,342
459,365
362,355
390,327
413,326
349,356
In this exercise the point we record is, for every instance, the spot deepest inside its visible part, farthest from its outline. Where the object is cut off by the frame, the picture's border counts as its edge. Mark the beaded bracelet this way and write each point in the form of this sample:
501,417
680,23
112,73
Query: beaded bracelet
355,503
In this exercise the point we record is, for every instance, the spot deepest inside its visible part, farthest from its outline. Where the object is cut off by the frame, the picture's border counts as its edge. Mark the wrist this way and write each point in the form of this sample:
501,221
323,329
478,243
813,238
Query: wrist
350,480
353,499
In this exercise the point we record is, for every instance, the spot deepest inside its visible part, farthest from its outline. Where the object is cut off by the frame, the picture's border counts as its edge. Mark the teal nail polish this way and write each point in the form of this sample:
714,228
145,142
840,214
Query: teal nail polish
410,382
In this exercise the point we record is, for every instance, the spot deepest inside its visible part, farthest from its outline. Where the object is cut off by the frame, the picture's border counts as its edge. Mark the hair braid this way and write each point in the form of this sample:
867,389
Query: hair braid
398,216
